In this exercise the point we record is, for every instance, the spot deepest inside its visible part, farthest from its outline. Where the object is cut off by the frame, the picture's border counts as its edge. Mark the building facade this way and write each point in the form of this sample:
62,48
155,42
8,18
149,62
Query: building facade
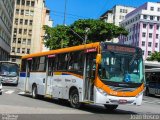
143,25
6,19
116,14
27,35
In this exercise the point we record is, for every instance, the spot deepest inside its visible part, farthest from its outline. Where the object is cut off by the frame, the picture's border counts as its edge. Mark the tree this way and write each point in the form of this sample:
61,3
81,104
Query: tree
54,36
154,57
99,31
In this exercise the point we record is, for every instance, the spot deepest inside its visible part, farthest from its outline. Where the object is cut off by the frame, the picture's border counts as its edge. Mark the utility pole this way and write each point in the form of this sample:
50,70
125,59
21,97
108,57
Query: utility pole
86,35
64,20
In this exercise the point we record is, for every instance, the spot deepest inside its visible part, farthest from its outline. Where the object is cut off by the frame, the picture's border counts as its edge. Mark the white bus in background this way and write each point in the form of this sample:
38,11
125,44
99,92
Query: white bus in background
9,72
101,73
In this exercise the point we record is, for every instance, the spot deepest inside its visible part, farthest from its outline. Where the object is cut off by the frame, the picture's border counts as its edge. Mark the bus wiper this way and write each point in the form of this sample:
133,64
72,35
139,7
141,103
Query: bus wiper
132,60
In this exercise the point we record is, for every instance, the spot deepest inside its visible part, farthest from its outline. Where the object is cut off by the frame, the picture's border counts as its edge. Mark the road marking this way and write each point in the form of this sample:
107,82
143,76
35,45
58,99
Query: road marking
151,101
9,92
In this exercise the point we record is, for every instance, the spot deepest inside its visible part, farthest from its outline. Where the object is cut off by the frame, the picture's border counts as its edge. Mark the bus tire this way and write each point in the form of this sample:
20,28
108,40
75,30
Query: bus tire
0,92
110,107
34,92
74,99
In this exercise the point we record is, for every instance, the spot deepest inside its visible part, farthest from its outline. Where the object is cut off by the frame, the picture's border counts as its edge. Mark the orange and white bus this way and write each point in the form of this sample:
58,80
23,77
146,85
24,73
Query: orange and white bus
98,73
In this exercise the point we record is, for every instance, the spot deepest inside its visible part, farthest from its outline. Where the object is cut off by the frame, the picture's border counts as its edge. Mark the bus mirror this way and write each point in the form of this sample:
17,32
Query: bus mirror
98,59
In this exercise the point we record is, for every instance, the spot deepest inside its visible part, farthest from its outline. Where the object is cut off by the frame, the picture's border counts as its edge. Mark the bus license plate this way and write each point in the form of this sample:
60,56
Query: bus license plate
122,101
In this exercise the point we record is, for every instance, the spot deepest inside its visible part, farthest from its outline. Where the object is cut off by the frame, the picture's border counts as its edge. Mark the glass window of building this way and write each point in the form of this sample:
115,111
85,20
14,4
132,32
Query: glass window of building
19,40
156,45
25,31
18,2
149,44
152,8
28,3
144,25
28,51
26,22
13,49
143,34
17,11
21,22
149,52
16,21
157,36
24,41
30,22
22,12
150,35
144,16
18,50
158,9
14,40
23,2
20,31
29,42
32,3
157,27
151,17
23,50
151,26
143,43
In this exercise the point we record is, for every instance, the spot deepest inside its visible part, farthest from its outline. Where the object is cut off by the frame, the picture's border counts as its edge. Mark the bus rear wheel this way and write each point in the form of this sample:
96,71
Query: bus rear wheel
34,91
110,107
74,99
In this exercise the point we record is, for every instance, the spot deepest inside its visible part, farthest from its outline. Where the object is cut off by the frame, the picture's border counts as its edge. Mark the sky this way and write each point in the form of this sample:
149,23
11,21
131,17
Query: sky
84,9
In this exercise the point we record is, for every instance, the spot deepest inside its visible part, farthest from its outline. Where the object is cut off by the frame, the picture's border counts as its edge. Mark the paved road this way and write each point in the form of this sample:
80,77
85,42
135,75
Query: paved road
12,103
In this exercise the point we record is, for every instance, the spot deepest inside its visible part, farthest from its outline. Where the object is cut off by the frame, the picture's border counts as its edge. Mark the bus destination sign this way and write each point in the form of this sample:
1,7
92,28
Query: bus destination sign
120,48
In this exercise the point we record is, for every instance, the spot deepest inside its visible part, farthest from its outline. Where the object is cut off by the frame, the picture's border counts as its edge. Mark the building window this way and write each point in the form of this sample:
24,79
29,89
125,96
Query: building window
149,44
157,36
23,50
18,2
152,8
16,21
32,3
26,22
158,18
28,3
24,41
27,12
151,17
15,30
20,31
13,49
157,27
17,11
22,12
156,45
143,34
14,40
28,51
23,2
30,32
151,26
25,31
143,43
18,50
121,10
19,40
144,16
144,25
21,22
31,13
149,52
29,42
158,9
30,22
142,52
150,35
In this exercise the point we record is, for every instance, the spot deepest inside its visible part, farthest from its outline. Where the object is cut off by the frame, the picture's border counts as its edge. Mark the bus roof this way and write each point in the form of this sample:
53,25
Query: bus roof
63,50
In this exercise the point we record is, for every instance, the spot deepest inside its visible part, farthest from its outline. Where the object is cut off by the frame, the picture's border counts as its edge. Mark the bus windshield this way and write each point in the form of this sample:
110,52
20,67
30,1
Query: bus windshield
8,69
121,67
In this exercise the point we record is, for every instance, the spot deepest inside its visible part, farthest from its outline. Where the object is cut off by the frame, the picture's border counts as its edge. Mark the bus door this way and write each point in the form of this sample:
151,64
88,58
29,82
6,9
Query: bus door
49,77
90,67
28,69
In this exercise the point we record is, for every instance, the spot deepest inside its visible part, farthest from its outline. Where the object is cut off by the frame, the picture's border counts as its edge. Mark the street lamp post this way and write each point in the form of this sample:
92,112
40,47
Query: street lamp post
86,35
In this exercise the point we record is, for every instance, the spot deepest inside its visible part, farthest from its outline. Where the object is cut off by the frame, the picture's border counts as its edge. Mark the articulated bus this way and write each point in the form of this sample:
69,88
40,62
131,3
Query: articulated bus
98,73
9,72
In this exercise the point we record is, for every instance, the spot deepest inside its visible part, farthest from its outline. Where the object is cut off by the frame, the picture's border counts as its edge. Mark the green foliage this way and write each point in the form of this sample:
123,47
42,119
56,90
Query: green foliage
98,31
154,57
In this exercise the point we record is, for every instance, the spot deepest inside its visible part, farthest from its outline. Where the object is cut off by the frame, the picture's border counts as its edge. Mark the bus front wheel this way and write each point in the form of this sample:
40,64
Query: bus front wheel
110,107
74,99
34,91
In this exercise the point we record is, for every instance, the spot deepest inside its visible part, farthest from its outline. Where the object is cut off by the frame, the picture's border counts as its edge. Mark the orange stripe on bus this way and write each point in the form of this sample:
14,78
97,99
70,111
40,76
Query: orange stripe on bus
100,84
64,50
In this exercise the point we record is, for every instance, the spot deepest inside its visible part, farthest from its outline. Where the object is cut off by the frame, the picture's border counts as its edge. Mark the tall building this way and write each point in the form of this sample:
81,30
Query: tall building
116,14
143,25
6,19
27,35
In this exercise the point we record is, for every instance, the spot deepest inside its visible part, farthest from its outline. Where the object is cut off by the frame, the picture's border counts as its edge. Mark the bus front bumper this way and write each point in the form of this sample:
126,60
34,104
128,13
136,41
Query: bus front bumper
101,98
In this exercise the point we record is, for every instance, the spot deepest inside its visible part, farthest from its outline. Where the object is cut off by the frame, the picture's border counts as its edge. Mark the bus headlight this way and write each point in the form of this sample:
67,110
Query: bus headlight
102,91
